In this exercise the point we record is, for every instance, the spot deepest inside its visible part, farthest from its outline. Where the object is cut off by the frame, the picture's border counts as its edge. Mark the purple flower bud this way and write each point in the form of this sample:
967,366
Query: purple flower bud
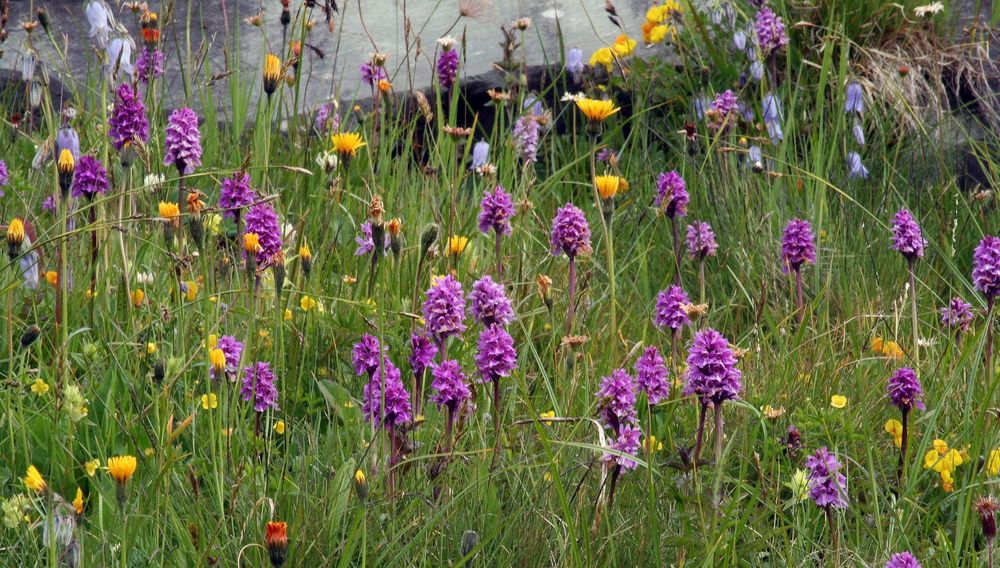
827,486
489,303
90,178
570,232
701,240
496,356
712,374
855,100
671,194
183,141
495,211
906,235
444,308
670,308
798,246
652,375
149,66
722,112
526,134
905,391
986,266
397,409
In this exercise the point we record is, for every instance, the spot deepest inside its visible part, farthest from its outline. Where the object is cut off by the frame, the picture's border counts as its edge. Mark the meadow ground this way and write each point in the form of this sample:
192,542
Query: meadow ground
720,293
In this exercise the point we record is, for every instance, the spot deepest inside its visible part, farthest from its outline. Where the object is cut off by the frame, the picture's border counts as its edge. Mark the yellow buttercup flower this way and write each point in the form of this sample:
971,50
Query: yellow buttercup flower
209,401
838,401
34,480
347,143
895,429
457,244
150,348
39,387
279,427
597,110
307,303
607,186
91,467
624,45
603,56
121,468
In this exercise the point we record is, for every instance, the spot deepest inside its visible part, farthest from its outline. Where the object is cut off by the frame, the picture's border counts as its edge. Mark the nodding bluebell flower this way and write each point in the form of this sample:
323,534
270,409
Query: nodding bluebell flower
532,102
757,70
773,117
28,64
856,170
855,100
480,154
716,16
68,139
739,40
574,63
745,110
755,161
701,103
859,133
101,20
119,61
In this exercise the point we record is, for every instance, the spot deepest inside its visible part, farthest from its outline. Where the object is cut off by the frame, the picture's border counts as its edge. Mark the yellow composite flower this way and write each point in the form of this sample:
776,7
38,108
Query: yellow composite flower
34,481
66,163
15,231
209,401
895,429
603,56
279,427
347,143
39,387
251,243
91,467
457,244
607,186
307,303
271,73
121,468
624,45
169,210
597,110
838,401
993,463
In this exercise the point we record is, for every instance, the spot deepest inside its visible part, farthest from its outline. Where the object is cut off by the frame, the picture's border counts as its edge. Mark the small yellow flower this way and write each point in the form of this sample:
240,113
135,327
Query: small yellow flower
287,316
138,296
307,303
251,243
347,143
279,427
947,481
52,277
895,429
169,211
34,480
597,110
771,412
217,357
652,442
39,387
149,452
78,501
993,463
150,348
838,401
655,33
877,344
15,232
305,253
603,56
121,468
940,446
544,415
213,340
607,186
192,290
547,476
384,86
624,45
348,279
91,467
892,350
361,484
209,401
457,244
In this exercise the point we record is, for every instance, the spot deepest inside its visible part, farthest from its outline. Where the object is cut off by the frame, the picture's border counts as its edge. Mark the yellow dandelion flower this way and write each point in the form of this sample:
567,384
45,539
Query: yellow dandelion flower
15,232
457,244
138,296
217,357
192,290
66,163
287,316
121,468
251,243
347,143
607,186
169,210
597,110
271,73
34,481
